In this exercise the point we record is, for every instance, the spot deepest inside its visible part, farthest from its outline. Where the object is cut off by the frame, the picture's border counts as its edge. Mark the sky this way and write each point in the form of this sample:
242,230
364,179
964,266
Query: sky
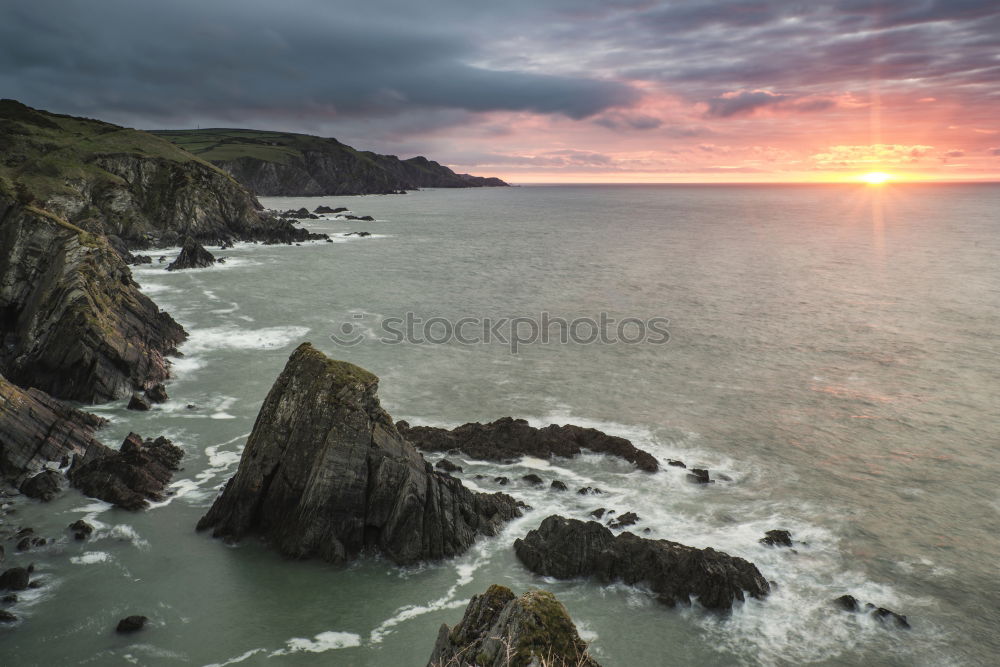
544,90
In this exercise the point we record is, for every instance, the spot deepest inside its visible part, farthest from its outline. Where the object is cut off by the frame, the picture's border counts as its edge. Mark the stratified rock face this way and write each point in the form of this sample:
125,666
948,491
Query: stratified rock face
502,630
72,321
36,428
129,478
192,256
567,548
509,438
325,474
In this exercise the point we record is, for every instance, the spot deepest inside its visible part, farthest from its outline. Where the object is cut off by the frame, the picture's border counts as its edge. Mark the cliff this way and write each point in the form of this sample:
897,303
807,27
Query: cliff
288,164
36,428
74,323
115,181
325,474
500,629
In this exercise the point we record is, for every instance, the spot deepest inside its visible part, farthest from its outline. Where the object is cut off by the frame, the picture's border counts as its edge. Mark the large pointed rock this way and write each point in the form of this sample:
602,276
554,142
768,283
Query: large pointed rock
500,629
192,256
568,548
325,474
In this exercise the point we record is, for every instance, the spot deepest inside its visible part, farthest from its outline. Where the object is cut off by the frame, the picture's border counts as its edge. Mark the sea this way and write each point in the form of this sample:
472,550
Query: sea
828,352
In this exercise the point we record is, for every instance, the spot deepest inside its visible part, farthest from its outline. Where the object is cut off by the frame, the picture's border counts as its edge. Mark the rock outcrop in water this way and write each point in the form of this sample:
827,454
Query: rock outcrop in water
568,548
192,256
326,474
36,428
500,629
507,438
129,478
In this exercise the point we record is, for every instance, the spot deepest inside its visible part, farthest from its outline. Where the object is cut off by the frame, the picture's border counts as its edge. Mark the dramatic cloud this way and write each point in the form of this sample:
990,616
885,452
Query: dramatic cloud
515,83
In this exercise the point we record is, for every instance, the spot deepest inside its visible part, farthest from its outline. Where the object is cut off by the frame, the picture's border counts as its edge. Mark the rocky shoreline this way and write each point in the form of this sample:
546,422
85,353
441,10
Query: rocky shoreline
326,473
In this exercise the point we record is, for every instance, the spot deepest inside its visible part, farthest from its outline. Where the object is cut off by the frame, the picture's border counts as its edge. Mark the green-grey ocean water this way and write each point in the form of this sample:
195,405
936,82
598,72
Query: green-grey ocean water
833,351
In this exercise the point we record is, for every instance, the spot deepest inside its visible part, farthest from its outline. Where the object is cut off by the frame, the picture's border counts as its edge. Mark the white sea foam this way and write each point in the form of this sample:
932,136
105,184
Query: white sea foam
91,557
233,337
324,641
240,658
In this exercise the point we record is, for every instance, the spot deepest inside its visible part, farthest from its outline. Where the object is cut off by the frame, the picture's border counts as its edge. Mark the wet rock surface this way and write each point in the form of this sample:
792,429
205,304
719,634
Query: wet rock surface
192,256
131,477
568,548
500,629
507,439
326,474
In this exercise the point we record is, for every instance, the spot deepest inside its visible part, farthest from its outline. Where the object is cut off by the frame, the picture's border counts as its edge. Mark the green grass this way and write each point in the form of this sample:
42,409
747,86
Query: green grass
42,154
224,144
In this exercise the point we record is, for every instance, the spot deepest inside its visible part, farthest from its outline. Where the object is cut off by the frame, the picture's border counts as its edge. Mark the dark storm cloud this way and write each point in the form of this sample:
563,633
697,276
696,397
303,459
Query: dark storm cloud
164,60
396,68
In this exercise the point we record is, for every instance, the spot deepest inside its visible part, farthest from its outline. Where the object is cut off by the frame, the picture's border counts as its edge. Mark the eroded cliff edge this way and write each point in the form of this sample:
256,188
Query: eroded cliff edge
325,474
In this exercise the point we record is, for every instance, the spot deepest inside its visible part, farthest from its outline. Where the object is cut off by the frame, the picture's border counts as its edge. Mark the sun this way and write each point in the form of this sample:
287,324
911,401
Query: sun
876,177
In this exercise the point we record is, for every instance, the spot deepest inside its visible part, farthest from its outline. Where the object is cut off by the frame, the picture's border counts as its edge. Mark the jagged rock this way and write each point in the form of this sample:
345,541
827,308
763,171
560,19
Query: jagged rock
192,256
568,548
589,491
36,429
624,520
533,479
885,616
558,485
598,513
131,624
30,542
507,439
138,402
500,629
327,209
676,464
129,478
699,476
502,481
44,486
14,579
74,323
157,393
777,538
447,466
325,474
81,530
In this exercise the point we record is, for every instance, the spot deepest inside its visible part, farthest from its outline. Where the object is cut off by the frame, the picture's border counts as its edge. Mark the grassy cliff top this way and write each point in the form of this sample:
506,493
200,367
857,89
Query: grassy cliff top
222,144
40,151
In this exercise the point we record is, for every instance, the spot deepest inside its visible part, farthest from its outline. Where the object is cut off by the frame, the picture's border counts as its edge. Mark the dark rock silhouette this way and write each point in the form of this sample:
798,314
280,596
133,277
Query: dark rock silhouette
192,256
325,474
500,629
507,439
131,624
129,478
568,548
44,486
777,538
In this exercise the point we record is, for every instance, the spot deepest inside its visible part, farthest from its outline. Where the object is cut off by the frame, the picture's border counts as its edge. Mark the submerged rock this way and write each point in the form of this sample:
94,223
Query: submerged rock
192,256
325,474
777,538
506,439
14,579
558,485
138,402
129,478
699,476
447,466
81,530
131,624
568,548
157,393
850,603
500,629
44,486
623,521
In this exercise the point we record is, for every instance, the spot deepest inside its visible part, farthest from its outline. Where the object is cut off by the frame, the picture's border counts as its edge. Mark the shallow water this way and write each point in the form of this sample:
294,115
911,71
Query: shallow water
832,350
